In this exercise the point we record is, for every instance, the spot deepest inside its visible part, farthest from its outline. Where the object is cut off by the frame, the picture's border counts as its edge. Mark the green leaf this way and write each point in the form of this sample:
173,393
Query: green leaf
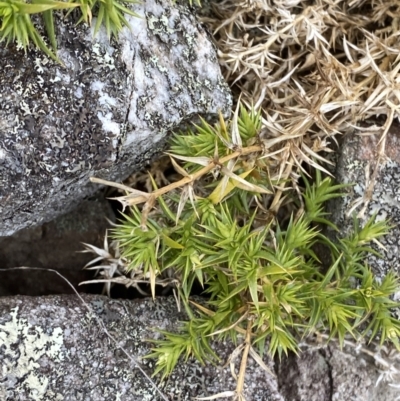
37,6
252,282
282,341
171,243
49,25
328,276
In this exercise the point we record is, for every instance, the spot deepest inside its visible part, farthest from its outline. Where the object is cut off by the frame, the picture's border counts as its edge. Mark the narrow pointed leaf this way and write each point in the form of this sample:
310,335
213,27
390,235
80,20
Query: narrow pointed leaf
243,184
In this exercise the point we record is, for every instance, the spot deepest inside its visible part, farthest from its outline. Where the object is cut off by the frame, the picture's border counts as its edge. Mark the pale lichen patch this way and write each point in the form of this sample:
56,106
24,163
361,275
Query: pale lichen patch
23,345
108,124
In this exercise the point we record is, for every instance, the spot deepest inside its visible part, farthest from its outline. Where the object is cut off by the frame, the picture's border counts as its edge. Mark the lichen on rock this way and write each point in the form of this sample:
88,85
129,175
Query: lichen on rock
104,112
53,349
23,346
375,189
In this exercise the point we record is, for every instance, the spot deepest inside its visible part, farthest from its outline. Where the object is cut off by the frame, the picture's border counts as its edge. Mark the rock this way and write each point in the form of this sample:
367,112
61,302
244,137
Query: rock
104,112
329,374
52,348
356,165
54,245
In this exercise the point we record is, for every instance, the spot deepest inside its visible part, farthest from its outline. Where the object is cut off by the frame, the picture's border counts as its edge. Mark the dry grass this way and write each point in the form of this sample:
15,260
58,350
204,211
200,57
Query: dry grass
316,68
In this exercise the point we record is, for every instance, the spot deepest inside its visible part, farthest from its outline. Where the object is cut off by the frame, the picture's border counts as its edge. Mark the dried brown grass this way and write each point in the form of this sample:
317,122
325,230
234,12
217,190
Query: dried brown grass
316,69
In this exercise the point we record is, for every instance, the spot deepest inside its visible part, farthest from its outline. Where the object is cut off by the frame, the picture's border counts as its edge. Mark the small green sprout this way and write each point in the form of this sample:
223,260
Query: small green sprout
17,26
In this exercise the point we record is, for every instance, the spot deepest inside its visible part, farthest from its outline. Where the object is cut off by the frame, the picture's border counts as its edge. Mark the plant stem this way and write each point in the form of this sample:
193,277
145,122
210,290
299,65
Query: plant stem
243,363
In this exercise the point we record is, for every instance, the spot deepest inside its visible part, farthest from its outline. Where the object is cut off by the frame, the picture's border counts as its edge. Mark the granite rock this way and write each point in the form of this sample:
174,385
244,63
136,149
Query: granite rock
104,112
356,164
54,348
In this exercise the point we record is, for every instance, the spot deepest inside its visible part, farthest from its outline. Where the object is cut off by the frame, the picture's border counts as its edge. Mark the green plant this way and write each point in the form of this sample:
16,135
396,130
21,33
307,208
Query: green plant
261,272
18,27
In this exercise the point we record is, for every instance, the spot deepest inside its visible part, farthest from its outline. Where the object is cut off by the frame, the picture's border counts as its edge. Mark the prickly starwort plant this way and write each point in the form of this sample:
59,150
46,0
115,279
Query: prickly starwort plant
258,266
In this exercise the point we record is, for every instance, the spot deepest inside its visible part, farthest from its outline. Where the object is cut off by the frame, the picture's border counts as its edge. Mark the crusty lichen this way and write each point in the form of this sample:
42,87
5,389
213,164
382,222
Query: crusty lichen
23,345
103,113
371,194
82,362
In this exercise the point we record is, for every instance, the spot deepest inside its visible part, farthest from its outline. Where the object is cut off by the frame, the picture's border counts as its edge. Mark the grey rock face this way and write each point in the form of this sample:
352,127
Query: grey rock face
52,348
356,165
328,374
104,113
